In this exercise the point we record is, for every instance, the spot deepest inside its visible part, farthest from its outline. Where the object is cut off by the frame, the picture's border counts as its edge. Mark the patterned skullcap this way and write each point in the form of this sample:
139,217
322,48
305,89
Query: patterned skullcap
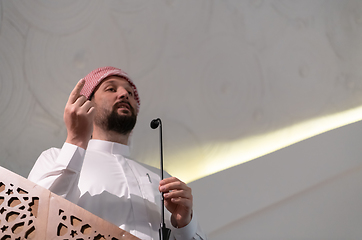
96,76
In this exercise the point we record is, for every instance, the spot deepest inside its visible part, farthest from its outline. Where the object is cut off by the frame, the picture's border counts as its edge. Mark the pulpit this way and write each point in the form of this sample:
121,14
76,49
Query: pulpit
28,211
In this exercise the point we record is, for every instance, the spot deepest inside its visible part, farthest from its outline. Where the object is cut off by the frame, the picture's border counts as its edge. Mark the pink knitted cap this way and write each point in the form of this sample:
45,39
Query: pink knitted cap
96,76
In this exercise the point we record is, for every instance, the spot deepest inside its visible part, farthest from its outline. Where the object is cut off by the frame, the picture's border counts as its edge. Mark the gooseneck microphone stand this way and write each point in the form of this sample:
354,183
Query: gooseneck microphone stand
164,232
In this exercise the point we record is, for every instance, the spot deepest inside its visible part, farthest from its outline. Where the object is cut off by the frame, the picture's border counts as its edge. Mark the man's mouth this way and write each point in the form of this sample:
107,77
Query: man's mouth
123,105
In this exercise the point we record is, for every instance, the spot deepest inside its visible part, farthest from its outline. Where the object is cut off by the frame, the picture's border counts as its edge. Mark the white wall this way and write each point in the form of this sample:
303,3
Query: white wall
310,190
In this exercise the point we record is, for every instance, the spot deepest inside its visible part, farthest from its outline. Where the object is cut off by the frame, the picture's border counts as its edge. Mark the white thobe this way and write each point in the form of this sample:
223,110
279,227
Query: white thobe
104,181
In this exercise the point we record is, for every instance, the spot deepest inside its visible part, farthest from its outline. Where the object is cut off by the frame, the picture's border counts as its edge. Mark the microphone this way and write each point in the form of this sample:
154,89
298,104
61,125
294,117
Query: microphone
164,232
155,123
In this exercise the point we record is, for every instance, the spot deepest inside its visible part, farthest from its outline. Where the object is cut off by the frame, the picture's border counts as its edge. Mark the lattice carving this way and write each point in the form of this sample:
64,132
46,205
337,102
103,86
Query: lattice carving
30,212
72,227
18,212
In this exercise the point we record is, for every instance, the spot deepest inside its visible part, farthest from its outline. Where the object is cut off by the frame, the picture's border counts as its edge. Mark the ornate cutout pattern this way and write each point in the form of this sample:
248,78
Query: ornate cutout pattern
18,212
30,212
72,227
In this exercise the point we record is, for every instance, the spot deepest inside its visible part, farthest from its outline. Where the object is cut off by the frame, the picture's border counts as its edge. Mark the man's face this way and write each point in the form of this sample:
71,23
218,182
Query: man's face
115,105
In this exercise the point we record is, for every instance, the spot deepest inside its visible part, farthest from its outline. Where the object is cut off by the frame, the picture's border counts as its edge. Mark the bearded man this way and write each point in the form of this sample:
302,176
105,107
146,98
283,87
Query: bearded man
93,168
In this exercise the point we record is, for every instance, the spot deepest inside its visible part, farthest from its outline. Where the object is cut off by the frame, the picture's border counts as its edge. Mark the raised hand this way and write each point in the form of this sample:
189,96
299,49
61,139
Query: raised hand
178,200
78,117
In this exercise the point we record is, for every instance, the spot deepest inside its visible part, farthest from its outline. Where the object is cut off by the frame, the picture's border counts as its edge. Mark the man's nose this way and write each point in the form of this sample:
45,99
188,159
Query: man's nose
123,94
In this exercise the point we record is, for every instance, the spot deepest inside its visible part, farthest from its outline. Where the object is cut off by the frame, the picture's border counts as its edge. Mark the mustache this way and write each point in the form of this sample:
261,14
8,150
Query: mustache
123,103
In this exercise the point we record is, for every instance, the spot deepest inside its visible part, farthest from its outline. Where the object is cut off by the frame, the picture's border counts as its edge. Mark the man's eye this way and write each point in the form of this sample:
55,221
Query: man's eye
110,89
130,93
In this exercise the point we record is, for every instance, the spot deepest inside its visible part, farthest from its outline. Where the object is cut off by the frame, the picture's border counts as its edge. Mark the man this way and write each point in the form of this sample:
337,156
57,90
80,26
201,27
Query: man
93,170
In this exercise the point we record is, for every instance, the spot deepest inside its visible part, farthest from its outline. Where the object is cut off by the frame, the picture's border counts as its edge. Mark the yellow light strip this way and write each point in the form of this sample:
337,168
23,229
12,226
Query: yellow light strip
230,154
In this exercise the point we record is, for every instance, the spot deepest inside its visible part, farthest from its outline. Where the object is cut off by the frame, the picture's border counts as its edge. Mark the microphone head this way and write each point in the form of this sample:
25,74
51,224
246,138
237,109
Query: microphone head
154,123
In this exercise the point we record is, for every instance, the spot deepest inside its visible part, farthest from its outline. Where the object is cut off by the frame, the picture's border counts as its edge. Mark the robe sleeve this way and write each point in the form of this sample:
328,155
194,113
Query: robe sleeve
58,170
191,231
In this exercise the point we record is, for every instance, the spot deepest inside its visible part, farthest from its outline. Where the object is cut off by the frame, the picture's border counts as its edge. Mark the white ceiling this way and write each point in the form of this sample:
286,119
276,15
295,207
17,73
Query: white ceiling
215,72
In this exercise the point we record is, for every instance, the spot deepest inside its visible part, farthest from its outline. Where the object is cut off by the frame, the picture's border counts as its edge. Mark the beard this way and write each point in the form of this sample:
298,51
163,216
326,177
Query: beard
114,122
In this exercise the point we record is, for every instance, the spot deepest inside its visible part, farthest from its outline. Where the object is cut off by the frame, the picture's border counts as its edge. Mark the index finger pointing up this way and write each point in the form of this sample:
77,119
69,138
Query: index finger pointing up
74,95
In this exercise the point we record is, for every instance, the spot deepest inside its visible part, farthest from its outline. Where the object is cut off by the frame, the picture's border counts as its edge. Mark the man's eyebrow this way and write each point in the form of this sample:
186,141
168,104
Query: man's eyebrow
109,82
128,86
